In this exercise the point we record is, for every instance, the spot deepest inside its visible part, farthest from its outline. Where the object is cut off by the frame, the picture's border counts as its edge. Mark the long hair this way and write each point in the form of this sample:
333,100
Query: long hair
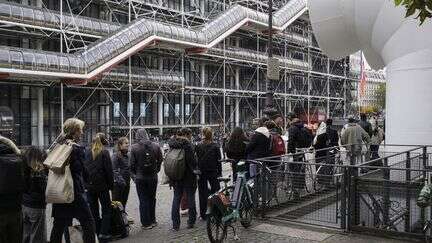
207,133
120,142
99,141
237,139
34,158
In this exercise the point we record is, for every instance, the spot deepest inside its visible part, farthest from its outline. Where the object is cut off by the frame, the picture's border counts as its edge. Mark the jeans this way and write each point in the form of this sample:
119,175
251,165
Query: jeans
121,194
204,192
175,210
61,224
146,190
34,226
11,227
103,225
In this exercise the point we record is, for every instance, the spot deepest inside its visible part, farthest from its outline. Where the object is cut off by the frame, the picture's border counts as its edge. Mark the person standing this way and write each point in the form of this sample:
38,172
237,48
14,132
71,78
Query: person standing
259,146
35,177
235,148
367,126
376,140
99,183
121,163
188,182
11,189
208,155
63,213
299,137
145,164
353,136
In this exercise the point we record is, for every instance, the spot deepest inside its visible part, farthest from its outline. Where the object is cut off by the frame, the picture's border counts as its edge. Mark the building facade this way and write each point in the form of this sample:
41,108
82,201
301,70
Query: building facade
160,64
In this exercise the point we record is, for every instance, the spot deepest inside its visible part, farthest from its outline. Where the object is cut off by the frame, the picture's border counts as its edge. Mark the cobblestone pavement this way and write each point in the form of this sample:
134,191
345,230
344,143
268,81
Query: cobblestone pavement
163,232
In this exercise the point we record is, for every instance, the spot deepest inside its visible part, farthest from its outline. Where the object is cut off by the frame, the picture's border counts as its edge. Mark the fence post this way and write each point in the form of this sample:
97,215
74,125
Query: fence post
386,192
344,188
408,192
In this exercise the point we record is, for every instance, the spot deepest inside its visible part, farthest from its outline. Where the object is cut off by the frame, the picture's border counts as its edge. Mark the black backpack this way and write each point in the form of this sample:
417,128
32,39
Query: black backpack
147,163
119,222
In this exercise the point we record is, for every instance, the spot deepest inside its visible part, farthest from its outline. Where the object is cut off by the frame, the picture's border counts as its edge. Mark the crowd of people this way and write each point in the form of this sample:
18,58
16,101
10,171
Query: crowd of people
100,178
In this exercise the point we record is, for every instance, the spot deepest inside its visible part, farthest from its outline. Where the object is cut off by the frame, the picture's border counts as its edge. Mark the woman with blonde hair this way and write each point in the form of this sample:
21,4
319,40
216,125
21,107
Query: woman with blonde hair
208,154
100,181
78,209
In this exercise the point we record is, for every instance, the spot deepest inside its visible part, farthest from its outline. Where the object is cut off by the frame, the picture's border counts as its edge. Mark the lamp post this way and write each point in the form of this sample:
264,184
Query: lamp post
272,67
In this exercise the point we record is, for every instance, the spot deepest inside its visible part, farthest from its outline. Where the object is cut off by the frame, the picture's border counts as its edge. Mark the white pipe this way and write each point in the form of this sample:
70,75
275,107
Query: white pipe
387,38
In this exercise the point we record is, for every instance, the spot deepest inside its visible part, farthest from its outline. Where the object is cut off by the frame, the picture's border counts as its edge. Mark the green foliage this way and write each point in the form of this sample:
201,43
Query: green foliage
422,7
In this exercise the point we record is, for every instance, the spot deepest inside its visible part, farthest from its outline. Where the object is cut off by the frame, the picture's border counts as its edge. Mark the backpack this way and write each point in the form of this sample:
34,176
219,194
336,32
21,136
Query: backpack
119,221
11,174
175,164
147,163
94,167
277,145
304,138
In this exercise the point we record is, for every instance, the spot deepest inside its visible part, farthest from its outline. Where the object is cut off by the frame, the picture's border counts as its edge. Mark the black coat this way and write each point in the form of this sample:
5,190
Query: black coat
208,155
79,207
10,202
101,179
235,150
36,183
121,162
295,135
259,146
333,137
367,126
137,155
189,178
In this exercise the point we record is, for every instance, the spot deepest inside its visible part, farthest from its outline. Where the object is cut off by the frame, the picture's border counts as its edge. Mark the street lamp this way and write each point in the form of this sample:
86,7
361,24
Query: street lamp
272,67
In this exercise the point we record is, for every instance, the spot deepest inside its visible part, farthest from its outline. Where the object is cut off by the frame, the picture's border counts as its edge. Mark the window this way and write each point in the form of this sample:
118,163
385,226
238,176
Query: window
116,109
187,110
143,108
130,110
166,110
177,110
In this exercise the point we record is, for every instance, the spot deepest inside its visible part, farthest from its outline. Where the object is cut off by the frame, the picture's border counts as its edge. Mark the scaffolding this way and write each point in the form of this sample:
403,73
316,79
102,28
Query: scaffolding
161,64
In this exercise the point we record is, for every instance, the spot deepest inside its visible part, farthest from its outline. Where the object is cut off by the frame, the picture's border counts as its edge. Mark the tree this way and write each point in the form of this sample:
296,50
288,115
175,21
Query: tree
422,7
380,95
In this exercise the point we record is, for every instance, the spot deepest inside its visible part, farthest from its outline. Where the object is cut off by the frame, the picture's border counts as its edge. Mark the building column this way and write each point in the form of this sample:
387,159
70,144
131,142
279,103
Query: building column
202,103
237,99
37,118
160,104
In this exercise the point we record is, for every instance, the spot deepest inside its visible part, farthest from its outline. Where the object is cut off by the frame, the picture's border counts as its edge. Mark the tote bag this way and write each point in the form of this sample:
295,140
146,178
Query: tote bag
57,158
60,187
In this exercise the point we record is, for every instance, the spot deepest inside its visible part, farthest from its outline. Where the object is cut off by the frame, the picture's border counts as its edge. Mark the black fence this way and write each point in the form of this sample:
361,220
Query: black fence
342,187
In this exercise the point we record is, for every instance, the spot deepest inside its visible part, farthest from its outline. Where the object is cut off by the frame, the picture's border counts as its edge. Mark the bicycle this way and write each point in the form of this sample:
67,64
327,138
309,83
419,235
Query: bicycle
230,204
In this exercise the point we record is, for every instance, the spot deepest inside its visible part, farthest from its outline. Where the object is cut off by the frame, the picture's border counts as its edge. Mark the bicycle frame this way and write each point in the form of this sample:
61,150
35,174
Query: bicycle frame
241,186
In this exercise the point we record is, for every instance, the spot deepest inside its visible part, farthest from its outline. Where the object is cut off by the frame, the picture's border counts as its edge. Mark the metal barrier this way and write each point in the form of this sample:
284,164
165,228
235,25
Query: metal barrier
339,188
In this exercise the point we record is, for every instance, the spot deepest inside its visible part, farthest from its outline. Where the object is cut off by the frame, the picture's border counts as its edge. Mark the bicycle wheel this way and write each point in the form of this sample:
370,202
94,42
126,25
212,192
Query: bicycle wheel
216,230
246,212
317,186
308,173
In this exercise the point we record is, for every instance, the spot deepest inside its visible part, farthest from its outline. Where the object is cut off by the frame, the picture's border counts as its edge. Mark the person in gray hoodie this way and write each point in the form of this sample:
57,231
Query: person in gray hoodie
145,164
353,136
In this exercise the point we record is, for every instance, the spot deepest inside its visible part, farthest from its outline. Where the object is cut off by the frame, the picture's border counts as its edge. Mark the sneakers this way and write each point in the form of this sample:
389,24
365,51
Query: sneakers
190,226
154,224
130,220
184,212
174,229
149,227
104,238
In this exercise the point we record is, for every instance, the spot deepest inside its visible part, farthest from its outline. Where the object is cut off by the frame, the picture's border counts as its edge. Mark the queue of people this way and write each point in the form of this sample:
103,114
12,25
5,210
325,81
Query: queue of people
99,178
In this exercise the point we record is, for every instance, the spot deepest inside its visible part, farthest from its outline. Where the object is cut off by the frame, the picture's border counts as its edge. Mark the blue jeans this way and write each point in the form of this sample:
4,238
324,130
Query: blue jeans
103,226
179,188
146,190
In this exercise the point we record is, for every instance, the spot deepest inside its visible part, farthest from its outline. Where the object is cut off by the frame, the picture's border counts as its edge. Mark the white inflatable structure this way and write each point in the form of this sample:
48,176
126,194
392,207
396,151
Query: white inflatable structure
380,30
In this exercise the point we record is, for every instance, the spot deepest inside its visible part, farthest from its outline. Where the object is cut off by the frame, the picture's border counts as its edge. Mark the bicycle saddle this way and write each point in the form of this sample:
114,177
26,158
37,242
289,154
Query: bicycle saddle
224,179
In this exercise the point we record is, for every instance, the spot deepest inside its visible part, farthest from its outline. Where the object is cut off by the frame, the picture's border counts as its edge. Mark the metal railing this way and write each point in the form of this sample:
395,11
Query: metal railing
340,188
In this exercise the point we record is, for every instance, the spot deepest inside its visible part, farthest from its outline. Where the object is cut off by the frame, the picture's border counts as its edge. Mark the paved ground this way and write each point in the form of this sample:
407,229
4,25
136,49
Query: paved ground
260,231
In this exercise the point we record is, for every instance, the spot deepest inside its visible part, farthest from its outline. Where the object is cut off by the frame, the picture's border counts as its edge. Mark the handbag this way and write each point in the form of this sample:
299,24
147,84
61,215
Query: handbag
58,157
60,188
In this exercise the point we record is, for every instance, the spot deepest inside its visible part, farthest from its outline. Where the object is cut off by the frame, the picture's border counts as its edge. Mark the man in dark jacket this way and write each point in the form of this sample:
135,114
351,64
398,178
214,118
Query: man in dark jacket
299,137
367,126
332,134
145,164
11,188
188,183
